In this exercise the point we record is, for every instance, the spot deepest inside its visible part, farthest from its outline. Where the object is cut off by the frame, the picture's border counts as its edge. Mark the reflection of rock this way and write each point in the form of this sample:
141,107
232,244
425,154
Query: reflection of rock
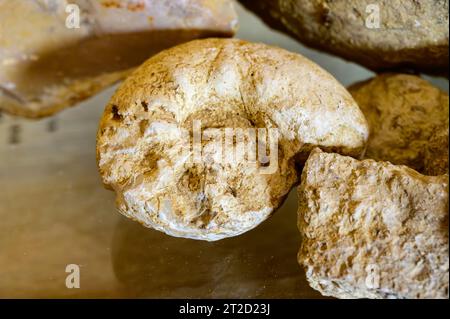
260,263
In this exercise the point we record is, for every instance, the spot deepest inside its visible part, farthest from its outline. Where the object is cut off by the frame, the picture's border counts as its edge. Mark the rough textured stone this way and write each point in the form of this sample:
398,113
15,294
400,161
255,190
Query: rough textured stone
411,33
436,153
223,83
372,229
404,113
46,66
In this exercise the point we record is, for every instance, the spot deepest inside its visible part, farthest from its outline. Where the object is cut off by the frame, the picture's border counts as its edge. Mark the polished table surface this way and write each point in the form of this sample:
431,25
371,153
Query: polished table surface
54,212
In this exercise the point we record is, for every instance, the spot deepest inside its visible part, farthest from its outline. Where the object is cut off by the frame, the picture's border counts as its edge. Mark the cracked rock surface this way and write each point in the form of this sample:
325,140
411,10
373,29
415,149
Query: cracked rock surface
222,84
372,229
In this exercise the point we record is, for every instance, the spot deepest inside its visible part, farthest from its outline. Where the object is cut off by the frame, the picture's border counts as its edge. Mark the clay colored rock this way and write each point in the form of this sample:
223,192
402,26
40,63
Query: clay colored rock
372,229
47,63
404,113
436,153
380,35
208,88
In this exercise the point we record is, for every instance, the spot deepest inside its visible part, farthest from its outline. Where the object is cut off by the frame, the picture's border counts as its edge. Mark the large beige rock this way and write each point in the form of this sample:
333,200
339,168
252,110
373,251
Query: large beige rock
410,33
222,84
408,120
372,229
46,66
